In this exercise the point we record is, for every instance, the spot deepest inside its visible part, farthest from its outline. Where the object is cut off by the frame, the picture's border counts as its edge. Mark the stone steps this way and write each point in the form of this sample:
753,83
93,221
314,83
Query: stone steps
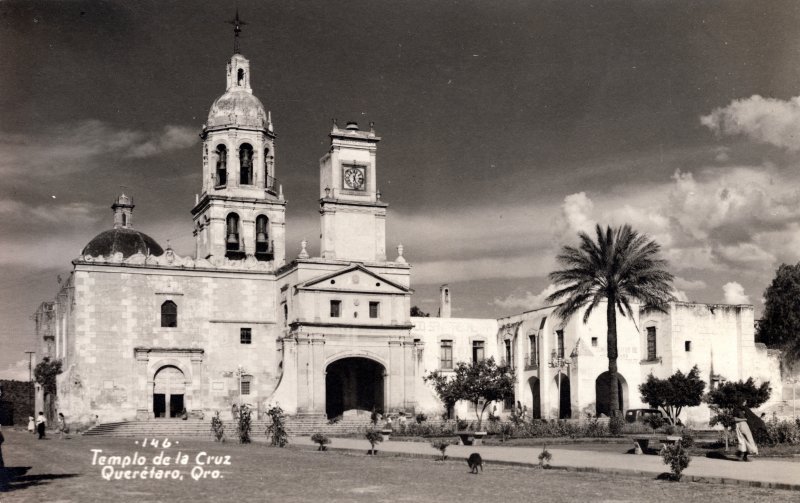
176,428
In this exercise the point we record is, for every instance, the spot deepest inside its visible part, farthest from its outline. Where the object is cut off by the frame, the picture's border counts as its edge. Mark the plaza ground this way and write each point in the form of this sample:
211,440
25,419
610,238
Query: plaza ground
62,470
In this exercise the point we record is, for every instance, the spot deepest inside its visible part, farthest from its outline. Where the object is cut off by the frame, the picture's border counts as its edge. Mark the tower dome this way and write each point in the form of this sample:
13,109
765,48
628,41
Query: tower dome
238,106
123,238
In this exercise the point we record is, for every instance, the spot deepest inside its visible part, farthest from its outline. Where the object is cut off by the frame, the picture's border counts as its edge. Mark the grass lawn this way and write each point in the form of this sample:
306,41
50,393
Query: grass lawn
61,470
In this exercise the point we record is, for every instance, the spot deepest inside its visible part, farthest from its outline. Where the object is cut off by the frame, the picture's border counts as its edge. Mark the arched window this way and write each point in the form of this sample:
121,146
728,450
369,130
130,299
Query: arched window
240,77
262,237
267,183
222,165
246,164
124,220
232,242
169,314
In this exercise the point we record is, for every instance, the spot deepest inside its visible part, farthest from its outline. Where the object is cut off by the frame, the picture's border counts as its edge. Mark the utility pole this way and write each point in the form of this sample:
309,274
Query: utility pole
30,380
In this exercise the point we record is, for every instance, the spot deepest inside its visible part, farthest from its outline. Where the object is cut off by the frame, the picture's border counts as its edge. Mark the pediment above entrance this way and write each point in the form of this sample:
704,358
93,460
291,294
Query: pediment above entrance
354,278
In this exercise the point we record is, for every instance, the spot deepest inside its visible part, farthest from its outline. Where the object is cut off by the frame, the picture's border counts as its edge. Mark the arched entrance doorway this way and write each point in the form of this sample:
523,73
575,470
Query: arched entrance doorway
353,383
561,397
536,407
168,392
602,390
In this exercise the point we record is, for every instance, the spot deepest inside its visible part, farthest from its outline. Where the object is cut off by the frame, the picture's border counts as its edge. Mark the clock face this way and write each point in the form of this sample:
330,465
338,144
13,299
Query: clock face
355,178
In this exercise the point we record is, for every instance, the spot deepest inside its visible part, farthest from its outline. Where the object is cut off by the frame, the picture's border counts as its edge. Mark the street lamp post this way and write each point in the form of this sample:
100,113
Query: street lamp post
30,381
558,362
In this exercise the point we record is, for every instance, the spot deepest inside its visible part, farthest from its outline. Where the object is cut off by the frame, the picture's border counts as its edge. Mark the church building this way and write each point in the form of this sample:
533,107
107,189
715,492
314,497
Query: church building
144,333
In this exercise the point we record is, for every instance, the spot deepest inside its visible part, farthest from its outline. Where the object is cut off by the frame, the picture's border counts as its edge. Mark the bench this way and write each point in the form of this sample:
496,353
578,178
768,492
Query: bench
671,440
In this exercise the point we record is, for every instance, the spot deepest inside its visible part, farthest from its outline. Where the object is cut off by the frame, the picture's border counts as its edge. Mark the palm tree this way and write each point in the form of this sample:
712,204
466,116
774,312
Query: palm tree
620,267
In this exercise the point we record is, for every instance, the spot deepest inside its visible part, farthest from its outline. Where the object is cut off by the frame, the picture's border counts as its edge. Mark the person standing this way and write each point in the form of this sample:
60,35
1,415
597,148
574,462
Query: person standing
747,445
41,422
62,425
31,425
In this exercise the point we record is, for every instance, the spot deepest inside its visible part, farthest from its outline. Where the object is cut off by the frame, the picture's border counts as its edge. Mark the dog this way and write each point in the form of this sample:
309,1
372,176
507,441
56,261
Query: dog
474,462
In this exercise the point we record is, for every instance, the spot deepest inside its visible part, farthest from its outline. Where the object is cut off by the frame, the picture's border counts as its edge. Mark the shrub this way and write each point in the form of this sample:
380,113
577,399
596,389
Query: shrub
322,440
595,428
687,438
373,437
655,422
441,445
462,424
218,428
615,425
677,457
421,418
244,425
784,432
506,431
277,428
545,457
669,429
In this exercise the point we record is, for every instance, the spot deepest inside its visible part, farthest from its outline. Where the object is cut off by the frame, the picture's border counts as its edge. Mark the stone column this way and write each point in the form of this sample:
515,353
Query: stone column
144,385
318,376
198,386
409,374
396,385
304,375
289,381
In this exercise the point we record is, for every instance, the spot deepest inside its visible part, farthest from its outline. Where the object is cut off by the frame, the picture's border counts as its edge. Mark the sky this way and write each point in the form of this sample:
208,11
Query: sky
508,128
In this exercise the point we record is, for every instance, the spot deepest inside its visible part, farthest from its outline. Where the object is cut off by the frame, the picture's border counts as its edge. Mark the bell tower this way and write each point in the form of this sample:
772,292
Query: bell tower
241,210
353,217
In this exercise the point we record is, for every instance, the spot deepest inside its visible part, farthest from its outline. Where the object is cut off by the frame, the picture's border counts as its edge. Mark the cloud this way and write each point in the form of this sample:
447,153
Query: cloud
77,214
444,271
527,301
734,293
578,211
722,154
680,295
86,145
765,120
686,284
17,371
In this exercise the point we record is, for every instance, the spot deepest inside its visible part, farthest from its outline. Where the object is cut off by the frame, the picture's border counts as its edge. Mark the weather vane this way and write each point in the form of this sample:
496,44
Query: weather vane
237,29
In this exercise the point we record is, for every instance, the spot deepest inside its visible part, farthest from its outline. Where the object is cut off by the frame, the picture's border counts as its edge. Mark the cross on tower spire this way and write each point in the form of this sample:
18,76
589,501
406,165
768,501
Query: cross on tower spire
237,29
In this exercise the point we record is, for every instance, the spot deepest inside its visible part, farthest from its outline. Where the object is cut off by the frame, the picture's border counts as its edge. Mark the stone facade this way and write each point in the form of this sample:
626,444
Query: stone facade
145,333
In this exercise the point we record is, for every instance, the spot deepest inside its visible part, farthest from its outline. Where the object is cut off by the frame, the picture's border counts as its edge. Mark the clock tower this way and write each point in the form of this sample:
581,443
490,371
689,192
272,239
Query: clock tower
353,218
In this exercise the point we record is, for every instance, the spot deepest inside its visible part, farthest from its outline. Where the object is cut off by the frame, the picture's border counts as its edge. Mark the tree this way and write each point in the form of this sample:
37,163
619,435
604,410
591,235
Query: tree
45,373
416,311
482,381
780,326
674,393
622,266
729,395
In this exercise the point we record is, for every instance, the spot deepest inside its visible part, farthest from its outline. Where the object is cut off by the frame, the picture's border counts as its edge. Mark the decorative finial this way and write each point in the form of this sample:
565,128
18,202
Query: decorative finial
303,252
400,257
378,194
372,127
327,192
335,124
237,29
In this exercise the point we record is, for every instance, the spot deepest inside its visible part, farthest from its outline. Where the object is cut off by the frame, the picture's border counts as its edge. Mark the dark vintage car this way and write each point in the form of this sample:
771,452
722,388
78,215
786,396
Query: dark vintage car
633,415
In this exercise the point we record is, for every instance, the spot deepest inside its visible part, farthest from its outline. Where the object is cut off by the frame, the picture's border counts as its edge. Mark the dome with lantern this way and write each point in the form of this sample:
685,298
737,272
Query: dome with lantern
123,238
